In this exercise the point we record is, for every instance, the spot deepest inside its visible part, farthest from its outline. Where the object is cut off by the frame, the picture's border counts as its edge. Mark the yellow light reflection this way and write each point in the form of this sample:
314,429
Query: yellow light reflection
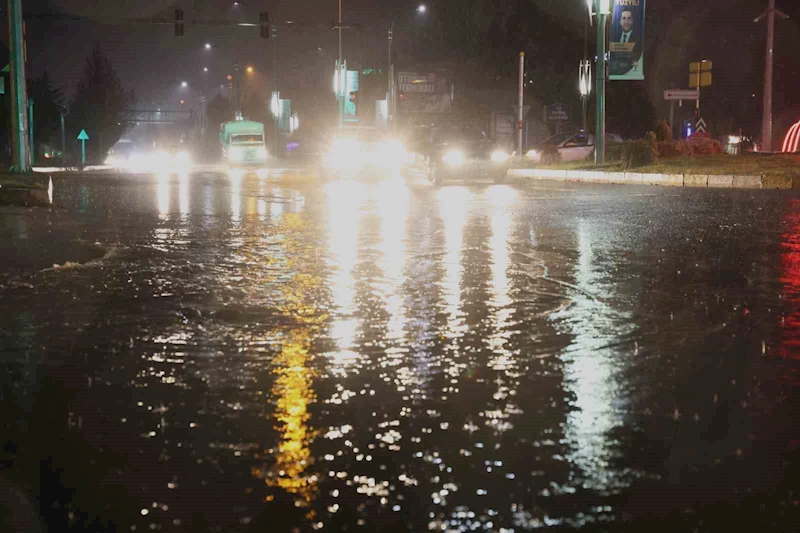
292,391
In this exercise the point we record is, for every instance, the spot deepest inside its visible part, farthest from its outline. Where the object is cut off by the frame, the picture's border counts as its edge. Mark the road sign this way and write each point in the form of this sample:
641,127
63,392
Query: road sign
681,94
557,114
700,79
83,137
525,110
700,66
700,126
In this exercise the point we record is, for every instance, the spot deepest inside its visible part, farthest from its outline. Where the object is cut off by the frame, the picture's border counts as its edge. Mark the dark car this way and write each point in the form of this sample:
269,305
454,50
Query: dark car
457,153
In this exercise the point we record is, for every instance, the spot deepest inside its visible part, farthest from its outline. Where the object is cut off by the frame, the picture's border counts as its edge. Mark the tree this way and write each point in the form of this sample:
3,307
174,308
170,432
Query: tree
48,103
100,105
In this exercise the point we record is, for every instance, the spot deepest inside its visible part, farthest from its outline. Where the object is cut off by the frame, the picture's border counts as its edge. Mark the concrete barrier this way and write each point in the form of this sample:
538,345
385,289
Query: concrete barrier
667,180
695,180
720,181
746,182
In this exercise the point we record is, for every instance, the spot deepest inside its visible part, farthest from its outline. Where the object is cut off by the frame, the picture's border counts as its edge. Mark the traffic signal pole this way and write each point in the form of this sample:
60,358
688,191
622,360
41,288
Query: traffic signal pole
20,159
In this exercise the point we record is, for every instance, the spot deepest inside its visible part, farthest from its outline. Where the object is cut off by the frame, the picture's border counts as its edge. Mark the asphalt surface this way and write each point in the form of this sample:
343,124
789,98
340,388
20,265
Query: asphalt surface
206,353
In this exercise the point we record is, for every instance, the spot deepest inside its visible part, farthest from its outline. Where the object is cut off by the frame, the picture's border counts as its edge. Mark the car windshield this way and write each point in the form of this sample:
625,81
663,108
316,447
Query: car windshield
244,138
557,139
459,134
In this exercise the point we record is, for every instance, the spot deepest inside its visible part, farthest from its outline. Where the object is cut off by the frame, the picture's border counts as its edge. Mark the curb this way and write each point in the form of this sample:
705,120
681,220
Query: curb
665,180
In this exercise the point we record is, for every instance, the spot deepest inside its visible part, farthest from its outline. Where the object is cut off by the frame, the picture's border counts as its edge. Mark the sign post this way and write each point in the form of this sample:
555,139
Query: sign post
83,137
521,101
557,114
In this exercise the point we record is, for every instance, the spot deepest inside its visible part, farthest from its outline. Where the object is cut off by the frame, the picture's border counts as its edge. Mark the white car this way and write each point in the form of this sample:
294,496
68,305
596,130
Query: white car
571,146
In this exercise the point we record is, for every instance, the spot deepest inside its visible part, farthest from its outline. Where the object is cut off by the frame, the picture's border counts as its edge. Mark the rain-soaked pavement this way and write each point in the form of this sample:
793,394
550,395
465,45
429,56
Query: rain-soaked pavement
248,354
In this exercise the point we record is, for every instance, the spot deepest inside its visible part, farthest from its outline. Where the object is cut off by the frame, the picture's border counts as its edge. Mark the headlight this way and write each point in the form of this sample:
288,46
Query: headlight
499,156
393,150
533,154
346,153
183,158
453,158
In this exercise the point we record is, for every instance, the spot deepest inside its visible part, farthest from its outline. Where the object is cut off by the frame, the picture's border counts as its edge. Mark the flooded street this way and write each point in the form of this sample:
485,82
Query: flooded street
216,353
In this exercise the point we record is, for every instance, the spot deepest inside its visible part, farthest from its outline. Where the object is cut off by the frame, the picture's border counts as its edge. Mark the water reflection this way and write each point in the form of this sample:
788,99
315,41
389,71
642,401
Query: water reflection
344,202
453,209
162,195
591,373
236,197
183,194
393,203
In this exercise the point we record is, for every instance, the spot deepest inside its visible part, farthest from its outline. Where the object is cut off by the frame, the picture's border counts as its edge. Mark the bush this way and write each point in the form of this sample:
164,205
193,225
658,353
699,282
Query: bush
550,155
705,146
632,154
663,131
673,149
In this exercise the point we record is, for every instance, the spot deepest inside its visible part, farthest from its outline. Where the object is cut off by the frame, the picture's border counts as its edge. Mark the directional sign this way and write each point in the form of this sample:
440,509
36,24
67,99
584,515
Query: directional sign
525,109
83,137
681,94
557,113
700,126
700,79
700,66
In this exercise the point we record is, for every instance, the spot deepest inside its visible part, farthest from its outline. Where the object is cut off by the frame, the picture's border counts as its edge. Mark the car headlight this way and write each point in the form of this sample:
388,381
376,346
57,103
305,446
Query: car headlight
453,158
183,158
533,154
394,151
346,152
499,156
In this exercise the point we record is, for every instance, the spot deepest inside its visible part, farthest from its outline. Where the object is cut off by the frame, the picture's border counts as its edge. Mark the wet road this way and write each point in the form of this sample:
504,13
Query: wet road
278,354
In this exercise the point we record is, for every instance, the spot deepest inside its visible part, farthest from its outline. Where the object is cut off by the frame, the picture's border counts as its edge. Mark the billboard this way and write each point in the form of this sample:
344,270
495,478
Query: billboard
424,92
626,44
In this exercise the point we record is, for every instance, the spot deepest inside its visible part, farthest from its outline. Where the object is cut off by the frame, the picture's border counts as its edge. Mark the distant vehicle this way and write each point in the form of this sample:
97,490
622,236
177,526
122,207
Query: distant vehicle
457,152
122,155
172,157
360,150
571,146
243,143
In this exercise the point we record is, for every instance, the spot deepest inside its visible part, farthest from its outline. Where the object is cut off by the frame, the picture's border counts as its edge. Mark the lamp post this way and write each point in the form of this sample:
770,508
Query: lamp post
602,8
585,86
391,104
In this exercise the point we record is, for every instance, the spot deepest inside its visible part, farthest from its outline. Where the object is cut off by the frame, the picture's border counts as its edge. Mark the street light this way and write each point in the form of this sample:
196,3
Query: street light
390,98
208,46
250,70
585,85
205,69
184,84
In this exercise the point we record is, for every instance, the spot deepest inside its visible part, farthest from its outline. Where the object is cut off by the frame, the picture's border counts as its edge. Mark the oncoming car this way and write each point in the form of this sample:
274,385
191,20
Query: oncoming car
458,152
360,151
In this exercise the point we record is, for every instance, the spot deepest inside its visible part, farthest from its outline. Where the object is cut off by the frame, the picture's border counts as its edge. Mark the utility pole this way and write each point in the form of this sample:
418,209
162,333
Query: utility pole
342,79
63,140
30,131
276,117
521,101
600,126
766,120
20,159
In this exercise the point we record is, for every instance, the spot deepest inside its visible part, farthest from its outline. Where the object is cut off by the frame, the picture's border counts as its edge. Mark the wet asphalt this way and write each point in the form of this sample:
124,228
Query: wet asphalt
214,353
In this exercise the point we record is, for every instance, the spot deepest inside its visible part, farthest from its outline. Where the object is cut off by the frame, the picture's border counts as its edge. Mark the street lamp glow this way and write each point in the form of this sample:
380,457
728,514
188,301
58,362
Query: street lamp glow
184,84
208,46
249,70
205,69
422,8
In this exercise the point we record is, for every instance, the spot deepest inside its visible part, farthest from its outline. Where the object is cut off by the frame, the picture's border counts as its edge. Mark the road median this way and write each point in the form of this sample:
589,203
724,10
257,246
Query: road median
27,190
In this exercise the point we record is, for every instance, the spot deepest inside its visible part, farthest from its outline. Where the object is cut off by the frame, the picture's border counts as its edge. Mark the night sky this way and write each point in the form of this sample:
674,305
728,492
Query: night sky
150,60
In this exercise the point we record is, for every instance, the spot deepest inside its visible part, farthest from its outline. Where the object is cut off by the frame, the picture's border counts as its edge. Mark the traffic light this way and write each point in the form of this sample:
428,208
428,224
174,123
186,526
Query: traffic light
263,24
179,23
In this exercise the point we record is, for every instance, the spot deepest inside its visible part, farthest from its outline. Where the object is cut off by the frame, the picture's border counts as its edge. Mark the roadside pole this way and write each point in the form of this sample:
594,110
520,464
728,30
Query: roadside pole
521,101
600,127
30,131
63,142
275,89
20,159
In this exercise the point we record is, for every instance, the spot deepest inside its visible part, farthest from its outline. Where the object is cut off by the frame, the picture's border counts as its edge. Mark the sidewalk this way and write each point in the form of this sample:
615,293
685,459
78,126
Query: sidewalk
667,180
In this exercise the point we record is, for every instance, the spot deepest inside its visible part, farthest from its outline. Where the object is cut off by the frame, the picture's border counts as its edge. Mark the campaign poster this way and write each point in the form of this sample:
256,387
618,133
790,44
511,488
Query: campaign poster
424,92
626,44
